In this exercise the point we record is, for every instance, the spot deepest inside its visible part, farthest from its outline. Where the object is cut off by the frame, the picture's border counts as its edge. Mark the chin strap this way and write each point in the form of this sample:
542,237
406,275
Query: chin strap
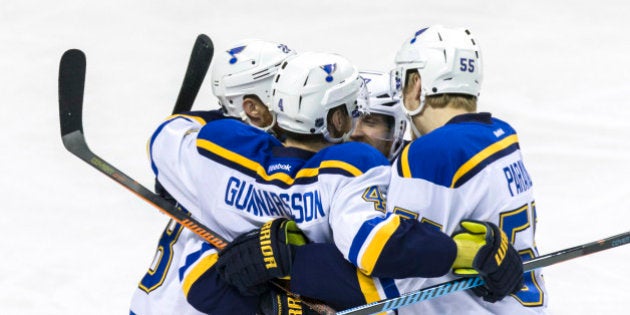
344,138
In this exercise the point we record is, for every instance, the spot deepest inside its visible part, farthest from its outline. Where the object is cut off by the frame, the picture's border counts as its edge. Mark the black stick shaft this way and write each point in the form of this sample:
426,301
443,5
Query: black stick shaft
71,88
198,65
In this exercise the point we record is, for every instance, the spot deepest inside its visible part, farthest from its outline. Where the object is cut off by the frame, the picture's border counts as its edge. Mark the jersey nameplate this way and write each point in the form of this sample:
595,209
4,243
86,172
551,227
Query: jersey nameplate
301,207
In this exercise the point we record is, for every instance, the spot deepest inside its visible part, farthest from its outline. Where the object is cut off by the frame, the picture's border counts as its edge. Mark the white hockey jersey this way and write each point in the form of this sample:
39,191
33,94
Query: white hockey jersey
470,168
160,290
233,178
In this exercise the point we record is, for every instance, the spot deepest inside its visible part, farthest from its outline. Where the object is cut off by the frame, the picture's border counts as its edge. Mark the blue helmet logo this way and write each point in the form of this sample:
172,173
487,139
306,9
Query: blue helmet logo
233,53
330,69
413,40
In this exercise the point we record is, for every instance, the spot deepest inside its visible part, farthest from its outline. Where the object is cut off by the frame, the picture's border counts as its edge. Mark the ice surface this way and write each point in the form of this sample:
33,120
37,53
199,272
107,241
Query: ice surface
77,243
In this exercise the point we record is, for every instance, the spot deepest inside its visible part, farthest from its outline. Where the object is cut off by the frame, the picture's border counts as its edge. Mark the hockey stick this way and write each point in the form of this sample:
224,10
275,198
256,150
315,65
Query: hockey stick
198,65
467,283
200,59
71,88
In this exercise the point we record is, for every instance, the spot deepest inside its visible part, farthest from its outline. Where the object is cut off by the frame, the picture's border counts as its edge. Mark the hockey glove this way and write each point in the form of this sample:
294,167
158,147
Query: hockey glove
484,250
260,255
279,303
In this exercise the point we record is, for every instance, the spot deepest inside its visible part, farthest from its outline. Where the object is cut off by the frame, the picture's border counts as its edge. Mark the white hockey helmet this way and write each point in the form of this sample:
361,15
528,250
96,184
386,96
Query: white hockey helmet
310,84
247,68
382,99
448,59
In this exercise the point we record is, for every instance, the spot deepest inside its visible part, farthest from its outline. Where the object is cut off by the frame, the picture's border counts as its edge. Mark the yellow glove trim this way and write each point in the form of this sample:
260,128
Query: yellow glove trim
293,234
468,244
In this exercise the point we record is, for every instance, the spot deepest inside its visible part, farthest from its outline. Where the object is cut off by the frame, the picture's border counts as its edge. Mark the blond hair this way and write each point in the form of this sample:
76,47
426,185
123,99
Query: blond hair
454,100
460,101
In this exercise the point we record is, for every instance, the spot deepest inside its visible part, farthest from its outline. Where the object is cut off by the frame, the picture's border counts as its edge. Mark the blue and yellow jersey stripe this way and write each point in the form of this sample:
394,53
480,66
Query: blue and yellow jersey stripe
368,287
486,156
396,239
196,266
247,150
446,159
370,291
370,240
200,268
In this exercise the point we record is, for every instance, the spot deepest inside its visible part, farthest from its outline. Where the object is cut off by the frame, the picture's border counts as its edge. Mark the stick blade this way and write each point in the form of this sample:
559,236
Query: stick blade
71,87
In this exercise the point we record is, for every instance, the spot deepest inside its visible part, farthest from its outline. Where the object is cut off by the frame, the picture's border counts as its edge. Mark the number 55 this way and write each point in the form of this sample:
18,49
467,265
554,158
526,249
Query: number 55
466,64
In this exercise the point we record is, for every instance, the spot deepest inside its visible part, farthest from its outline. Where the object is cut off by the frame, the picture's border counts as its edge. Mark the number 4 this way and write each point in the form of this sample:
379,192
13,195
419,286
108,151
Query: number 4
466,64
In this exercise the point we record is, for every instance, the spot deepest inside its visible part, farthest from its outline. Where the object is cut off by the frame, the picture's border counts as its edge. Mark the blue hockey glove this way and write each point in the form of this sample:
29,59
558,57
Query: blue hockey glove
256,257
484,250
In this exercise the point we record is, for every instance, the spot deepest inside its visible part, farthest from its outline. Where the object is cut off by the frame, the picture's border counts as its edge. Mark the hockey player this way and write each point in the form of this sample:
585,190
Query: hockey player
241,81
240,75
463,164
343,186
382,122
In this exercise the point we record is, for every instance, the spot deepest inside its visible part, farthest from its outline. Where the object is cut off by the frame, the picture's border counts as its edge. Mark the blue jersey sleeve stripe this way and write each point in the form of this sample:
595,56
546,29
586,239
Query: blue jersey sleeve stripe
368,287
150,145
202,266
389,287
192,258
159,129
377,243
486,156
361,236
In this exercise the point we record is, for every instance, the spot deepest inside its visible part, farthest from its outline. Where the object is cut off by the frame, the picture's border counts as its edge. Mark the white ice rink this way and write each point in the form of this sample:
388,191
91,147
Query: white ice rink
74,242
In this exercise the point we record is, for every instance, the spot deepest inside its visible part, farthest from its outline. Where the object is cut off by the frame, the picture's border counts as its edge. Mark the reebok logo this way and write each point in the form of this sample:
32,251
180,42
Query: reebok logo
500,255
279,166
265,246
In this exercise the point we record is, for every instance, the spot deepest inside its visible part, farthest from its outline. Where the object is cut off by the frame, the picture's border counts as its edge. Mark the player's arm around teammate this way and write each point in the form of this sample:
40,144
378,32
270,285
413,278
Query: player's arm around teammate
379,244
